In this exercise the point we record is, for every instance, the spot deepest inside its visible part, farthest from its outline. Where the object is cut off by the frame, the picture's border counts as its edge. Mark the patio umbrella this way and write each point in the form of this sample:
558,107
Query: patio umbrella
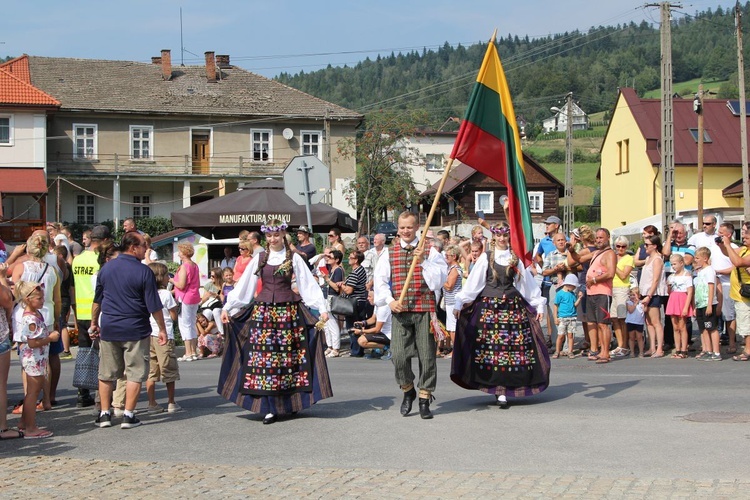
249,208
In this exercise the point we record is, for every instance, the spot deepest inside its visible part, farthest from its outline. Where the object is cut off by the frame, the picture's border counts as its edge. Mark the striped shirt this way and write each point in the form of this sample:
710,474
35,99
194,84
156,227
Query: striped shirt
357,279
450,295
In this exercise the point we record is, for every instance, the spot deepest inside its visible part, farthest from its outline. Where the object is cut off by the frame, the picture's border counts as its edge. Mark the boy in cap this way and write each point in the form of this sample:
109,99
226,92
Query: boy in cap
305,248
564,312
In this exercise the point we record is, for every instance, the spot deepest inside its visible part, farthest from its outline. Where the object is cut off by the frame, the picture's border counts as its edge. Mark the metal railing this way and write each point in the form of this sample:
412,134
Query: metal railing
238,166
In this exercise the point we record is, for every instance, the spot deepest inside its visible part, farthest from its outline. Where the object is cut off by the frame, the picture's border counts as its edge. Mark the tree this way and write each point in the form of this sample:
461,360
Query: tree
383,180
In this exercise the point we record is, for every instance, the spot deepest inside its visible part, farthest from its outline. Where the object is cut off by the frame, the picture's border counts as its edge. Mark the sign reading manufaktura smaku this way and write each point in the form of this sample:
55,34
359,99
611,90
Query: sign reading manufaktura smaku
252,218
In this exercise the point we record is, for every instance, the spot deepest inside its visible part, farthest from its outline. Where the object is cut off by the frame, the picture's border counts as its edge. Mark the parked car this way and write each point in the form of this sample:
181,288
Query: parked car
388,228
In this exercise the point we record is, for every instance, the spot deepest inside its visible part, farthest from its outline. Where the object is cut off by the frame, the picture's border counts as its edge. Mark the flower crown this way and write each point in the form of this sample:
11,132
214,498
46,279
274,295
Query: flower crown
499,229
273,226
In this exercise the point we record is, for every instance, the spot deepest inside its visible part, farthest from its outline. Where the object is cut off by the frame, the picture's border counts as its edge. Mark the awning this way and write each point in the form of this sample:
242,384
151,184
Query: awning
22,181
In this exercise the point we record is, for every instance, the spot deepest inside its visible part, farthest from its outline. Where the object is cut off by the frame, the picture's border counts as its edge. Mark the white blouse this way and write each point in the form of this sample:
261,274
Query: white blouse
244,289
524,282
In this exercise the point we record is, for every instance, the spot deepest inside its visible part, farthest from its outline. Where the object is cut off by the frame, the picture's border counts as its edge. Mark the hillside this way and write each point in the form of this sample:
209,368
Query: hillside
540,71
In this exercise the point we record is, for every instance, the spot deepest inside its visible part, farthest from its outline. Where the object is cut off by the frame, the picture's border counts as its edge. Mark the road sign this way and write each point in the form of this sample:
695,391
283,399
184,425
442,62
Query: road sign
318,177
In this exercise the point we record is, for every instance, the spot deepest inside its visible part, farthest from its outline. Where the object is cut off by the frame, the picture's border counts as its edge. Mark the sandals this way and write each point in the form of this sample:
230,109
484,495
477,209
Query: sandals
680,355
18,431
333,354
602,361
556,355
745,356
41,435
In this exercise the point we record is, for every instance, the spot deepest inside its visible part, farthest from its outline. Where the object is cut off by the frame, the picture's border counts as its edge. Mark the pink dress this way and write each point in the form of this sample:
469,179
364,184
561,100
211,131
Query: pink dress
678,296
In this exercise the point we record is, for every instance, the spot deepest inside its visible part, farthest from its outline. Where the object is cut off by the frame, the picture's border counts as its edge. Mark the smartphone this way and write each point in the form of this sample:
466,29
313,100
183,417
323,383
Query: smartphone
480,214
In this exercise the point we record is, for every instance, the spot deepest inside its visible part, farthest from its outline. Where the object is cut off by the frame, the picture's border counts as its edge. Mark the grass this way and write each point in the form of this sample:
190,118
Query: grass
584,180
689,87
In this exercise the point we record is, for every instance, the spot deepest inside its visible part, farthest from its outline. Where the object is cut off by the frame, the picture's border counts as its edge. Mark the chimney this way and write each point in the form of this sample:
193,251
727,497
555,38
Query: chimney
156,60
166,64
210,67
223,61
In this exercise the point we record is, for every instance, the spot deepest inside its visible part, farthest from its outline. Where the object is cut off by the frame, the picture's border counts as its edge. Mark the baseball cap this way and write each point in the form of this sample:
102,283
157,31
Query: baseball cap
100,233
553,219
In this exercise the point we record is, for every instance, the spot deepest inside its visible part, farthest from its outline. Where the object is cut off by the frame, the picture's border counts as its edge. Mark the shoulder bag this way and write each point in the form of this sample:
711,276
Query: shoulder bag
343,305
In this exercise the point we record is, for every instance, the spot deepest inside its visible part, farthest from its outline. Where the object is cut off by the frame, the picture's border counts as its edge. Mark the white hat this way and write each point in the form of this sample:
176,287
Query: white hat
571,279
208,314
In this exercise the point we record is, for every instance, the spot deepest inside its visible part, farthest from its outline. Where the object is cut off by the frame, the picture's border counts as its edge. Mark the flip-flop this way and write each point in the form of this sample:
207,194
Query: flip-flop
602,361
43,434
20,434
657,356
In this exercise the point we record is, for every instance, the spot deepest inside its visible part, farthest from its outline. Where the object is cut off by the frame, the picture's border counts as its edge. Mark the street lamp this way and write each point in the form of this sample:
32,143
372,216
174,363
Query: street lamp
568,211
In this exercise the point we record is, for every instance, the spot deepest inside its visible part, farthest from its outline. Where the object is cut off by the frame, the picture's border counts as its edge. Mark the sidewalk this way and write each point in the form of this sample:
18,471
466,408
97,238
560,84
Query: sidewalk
67,477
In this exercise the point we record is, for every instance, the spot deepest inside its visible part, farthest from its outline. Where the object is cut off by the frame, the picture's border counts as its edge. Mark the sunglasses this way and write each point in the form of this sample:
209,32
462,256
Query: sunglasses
708,223
244,249
331,235
621,246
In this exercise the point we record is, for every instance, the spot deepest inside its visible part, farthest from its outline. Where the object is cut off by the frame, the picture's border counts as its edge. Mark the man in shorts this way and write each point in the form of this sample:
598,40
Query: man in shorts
126,296
602,263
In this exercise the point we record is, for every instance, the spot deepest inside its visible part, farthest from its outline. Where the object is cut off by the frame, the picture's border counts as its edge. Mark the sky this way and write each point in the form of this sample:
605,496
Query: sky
274,36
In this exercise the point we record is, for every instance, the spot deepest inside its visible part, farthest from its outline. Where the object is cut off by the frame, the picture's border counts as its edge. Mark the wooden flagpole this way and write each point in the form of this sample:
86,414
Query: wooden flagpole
427,223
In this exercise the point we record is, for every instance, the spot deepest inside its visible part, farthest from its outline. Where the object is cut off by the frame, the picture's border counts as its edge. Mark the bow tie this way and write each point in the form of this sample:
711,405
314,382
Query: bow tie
409,248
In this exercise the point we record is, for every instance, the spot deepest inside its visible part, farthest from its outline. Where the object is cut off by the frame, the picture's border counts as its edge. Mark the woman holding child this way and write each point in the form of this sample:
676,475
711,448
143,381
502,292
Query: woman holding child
499,346
274,362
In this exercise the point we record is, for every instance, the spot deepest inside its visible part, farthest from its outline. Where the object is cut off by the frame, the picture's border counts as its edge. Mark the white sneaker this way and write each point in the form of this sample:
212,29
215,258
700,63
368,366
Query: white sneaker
173,407
195,358
155,409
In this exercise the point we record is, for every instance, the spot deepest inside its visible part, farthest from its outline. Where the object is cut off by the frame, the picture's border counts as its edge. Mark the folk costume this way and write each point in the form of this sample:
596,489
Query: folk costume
499,347
274,362
411,335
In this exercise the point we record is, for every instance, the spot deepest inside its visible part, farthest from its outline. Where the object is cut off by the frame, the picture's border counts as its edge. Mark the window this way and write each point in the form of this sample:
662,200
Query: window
694,133
85,208
451,207
536,202
141,142
261,144
141,206
6,130
484,201
311,143
623,153
434,162
84,140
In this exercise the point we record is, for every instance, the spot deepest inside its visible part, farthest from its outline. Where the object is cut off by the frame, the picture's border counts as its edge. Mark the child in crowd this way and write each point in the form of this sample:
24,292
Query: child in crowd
163,363
564,312
680,303
210,340
228,283
634,321
706,305
34,340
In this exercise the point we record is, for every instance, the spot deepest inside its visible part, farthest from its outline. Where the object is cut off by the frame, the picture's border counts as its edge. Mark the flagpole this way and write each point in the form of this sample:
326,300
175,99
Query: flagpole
427,223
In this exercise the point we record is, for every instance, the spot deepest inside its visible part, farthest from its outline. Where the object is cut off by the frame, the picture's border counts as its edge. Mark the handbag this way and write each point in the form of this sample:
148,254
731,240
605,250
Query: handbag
86,372
744,287
343,305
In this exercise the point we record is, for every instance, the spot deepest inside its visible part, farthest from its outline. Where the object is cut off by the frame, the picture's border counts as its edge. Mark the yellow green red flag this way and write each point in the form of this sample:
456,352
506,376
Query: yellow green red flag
488,141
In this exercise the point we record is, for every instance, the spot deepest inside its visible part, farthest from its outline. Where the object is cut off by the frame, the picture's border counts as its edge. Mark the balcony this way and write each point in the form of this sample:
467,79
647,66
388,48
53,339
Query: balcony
159,166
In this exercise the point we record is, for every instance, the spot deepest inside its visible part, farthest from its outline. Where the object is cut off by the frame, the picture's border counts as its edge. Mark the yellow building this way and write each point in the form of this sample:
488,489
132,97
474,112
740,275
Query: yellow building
631,180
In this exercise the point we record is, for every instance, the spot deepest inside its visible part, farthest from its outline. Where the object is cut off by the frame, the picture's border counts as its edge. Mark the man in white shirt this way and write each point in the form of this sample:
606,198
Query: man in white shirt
372,255
229,260
410,334
724,268
707,236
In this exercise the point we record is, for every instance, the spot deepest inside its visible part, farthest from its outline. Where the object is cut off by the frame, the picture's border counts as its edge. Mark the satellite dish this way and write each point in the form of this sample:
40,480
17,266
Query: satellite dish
287,133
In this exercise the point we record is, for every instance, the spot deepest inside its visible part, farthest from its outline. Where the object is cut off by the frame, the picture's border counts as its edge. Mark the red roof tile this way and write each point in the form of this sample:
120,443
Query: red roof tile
722,127
22,181
15,88
19,67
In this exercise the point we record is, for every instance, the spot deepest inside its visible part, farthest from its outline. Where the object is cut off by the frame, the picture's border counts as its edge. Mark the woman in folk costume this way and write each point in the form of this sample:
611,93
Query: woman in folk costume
499,346
274,363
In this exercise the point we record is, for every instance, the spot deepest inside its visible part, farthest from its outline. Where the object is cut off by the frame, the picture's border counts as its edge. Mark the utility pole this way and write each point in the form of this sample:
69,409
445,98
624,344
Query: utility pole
667,116
698,108
568,211
743,114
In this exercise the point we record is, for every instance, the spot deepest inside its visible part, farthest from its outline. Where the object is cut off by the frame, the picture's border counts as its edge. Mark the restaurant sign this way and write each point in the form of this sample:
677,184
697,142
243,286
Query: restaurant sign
252,218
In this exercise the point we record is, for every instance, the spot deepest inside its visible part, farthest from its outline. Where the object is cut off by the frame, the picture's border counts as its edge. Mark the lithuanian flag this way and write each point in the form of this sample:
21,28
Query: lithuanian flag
488,141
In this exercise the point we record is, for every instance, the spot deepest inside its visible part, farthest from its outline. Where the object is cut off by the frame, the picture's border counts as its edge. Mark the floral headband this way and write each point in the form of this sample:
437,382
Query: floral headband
273,226
498,229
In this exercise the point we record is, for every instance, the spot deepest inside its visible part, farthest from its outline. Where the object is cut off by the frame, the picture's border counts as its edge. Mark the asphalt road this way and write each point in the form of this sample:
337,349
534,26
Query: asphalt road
639,418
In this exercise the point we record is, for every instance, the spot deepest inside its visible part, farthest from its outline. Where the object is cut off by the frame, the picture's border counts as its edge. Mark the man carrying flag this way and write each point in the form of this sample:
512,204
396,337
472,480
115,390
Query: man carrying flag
499,345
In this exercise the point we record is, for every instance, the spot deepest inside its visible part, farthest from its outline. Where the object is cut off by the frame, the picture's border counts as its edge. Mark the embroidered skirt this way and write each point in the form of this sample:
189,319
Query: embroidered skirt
500,349
273,361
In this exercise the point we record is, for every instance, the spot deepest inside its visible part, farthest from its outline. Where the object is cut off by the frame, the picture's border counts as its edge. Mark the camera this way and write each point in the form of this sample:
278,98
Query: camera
718,240
359,324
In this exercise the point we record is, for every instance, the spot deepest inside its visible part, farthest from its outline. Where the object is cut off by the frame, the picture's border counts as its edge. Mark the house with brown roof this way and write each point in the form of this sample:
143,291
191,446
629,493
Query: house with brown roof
133,139
631,178
23,155
467,191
